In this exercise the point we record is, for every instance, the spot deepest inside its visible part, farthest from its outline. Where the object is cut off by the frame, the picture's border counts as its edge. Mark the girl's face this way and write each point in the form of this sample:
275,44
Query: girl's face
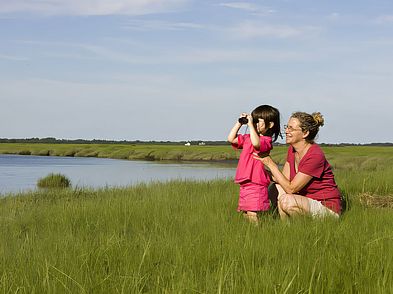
261,126
293,131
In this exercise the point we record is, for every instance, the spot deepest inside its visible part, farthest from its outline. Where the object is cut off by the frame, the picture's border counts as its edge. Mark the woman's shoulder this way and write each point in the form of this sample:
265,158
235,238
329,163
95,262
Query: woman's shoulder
316,151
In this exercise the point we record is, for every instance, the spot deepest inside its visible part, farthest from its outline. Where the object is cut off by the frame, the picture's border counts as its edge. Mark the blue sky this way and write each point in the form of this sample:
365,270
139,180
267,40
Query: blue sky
185,70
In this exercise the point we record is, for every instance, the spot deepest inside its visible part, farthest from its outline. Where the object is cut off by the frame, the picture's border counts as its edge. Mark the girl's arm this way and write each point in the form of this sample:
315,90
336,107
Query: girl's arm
282,178
255,139
232,137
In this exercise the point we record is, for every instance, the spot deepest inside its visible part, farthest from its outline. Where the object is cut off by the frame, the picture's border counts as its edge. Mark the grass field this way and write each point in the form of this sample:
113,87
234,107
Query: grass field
369,156
127,151
186,237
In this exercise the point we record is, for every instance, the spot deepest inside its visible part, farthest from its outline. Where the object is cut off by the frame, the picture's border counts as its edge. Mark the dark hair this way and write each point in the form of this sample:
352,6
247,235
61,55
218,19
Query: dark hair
268,114
309,123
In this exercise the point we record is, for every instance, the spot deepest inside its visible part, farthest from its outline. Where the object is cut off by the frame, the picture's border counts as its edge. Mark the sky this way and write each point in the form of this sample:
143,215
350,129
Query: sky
174,70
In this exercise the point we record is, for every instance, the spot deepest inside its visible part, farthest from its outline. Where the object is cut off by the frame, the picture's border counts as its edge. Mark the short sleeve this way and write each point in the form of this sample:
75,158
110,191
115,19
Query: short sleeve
313,165
265,144
240,142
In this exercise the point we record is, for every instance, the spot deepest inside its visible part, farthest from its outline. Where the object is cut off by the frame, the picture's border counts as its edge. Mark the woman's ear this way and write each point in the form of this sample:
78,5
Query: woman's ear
271,124
305,134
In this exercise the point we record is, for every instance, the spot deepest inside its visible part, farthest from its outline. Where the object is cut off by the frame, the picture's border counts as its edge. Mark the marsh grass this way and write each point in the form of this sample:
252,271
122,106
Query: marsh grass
118,151
361,157
54,181
377,201
185,237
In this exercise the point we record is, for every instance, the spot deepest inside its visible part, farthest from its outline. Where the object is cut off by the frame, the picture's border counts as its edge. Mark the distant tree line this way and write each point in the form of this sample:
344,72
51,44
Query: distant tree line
51,140
357,144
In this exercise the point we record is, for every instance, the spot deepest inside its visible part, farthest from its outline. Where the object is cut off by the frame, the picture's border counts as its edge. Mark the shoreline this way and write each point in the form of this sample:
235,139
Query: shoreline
207,161
219,154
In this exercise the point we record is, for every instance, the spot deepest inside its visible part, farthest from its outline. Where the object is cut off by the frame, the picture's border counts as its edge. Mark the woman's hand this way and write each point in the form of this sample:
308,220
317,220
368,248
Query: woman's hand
265,158
298,182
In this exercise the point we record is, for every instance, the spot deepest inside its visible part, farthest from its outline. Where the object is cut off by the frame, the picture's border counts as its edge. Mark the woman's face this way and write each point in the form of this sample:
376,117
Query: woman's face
293,131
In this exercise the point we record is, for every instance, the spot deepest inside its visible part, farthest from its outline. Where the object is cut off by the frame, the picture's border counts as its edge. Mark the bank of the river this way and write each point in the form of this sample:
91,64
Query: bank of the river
346,157
127,151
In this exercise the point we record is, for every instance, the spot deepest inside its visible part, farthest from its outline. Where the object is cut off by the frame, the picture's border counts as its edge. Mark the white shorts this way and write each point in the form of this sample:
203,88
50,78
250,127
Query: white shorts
318,210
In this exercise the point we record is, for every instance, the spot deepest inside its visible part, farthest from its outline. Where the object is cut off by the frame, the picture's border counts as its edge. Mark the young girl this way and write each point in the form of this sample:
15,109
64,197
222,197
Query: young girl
264,125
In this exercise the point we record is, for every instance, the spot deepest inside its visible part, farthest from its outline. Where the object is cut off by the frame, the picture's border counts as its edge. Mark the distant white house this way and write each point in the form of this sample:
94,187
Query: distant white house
187,144
202,143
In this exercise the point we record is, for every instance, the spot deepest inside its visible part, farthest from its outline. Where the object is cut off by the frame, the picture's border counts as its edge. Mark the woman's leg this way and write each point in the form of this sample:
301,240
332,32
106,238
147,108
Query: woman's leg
281,212
292,204
280,190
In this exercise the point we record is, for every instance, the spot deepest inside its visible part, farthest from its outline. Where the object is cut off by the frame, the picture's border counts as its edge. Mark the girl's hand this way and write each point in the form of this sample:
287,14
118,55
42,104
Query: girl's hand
250,122
243,114
241,119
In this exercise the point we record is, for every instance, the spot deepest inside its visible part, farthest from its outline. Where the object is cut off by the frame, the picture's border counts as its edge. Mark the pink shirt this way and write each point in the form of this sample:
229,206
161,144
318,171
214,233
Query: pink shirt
249,169
322,186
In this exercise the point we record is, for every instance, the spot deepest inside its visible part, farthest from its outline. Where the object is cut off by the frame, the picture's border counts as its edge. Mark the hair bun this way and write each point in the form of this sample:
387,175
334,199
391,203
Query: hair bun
317,116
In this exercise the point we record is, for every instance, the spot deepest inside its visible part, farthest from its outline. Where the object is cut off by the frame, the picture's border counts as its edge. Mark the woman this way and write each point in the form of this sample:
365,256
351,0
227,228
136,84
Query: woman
306,184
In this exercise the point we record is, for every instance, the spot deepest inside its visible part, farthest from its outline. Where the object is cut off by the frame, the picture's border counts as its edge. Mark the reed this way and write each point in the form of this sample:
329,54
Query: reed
344,158
54,181
184,237
126,151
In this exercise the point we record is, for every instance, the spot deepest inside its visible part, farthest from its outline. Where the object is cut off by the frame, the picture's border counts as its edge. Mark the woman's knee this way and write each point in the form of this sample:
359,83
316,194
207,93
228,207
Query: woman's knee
285,202
288,203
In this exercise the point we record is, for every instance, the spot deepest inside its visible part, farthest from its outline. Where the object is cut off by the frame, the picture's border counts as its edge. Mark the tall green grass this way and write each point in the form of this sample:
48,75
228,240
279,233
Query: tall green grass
185,237
54,181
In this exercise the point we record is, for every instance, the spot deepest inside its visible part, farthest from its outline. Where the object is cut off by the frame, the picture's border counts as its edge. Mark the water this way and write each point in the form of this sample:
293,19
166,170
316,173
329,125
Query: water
20,173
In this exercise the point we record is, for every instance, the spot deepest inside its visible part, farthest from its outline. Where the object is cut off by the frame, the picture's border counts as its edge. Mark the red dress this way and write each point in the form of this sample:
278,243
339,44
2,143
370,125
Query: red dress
251,174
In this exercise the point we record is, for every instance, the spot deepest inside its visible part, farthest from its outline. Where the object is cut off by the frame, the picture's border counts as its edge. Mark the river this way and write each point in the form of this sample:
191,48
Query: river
20,173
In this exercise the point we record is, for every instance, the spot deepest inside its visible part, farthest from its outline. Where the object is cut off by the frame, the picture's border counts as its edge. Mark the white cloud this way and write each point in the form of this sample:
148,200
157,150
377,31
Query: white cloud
240,5
250,30
90,7
197,56
247,6
183,55
383,19
161,25
233,56
12,58
334,16
100,52
82,51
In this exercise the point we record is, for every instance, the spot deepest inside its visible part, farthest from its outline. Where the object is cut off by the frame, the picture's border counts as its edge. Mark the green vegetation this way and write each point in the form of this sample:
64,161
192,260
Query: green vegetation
125,151
54,181
361,156
186,237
